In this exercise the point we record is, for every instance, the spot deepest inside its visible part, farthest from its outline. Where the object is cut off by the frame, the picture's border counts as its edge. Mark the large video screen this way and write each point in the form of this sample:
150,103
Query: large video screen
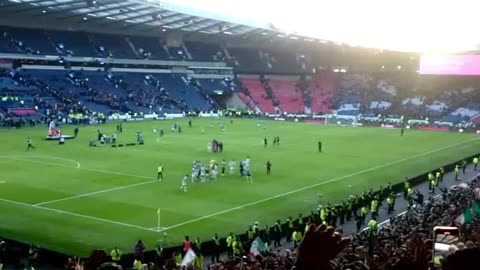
450,64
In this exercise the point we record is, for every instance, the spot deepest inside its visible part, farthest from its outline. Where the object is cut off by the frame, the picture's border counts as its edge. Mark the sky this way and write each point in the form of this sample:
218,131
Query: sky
405,25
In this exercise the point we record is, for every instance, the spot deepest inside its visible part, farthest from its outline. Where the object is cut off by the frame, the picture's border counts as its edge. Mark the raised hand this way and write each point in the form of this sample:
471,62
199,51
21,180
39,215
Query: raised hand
319,246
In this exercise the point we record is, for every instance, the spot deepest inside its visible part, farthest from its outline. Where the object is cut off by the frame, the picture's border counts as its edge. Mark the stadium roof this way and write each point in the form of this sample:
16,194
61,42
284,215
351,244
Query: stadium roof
127,16
408,25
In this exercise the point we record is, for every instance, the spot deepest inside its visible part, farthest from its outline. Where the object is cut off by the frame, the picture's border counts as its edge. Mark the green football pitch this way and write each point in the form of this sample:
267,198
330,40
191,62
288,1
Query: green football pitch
75,198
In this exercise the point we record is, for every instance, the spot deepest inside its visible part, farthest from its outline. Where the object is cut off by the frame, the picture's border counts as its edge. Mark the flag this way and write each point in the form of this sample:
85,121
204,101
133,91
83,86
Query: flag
476,209
464,218
257,247
188,258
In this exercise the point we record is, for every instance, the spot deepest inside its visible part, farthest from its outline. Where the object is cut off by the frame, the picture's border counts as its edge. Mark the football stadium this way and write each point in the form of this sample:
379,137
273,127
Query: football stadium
150,134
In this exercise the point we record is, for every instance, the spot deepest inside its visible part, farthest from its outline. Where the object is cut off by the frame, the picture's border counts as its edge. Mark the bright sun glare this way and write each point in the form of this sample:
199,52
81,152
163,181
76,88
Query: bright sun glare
408,25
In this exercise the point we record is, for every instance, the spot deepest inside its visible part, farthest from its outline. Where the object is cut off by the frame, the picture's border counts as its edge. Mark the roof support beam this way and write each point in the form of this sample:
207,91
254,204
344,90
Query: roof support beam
252,32
92,20
142,24
188,18
134,17
217,24
19,4
46,7
233,27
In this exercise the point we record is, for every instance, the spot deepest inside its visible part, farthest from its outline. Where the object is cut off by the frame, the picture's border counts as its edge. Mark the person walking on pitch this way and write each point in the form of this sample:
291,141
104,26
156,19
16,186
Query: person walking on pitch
183,187
29,144
160,172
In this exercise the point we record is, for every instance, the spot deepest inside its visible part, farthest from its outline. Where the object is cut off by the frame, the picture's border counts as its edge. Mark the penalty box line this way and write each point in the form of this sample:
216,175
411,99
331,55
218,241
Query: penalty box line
82,216
24,159
95,193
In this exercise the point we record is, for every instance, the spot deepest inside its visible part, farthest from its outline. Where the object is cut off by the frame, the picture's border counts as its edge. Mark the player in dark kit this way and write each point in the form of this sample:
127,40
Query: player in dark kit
319,146
278,140
223,167
241,168
274,140
269,167
75,131
189,123
265,142
402,130
29,144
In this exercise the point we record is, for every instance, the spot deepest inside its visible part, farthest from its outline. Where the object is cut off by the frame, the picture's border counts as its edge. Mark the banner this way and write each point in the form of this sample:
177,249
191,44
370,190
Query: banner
188,258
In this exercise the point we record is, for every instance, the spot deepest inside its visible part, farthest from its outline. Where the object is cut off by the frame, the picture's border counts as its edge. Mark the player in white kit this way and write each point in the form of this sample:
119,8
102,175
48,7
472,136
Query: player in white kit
232,164
183,187
214,171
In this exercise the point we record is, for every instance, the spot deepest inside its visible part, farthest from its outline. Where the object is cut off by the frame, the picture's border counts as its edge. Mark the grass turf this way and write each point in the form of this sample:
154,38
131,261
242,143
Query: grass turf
354,160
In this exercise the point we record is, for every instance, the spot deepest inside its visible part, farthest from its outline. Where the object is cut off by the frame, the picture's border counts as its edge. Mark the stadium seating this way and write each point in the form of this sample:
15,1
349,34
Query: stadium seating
211,86
148,45
322,86
122,91
436,97
116,45
258,93
288,94
74,43
204,52
36,39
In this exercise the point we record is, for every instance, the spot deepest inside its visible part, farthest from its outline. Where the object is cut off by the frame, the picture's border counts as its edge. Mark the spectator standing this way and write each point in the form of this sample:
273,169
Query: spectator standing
406,187
297,238
216,249
229,240
3,253
457,170
116,255
32,257
137,264
187,244
138,250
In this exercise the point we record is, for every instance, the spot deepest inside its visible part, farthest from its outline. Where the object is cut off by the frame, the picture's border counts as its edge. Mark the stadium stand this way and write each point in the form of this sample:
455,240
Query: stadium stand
322,87
269,80
259,95
288,94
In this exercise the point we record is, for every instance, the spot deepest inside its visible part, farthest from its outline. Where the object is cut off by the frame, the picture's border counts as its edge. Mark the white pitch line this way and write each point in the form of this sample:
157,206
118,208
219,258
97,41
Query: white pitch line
118,173
241,206
27,158
96,192
77,215
37,161
85,169
318,184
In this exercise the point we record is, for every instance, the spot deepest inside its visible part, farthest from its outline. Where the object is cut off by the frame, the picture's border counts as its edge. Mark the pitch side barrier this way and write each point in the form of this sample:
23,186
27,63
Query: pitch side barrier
49,257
